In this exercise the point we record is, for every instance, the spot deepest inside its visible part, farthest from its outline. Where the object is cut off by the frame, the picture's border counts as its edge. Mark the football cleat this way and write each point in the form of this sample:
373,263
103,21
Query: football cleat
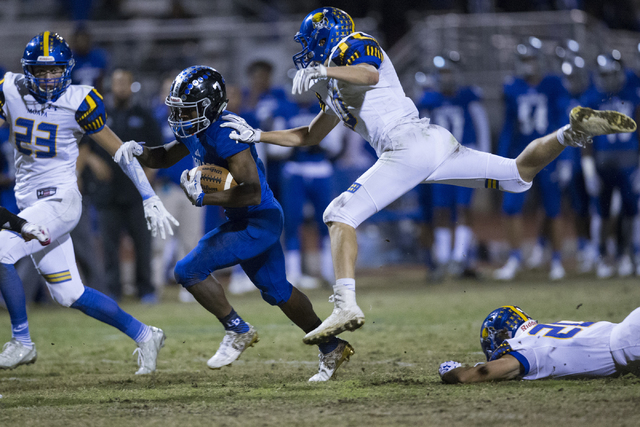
625,266
14,354
330,362
239,283
557,271
586,123
232,346
604,270
508,271
148,351
346,316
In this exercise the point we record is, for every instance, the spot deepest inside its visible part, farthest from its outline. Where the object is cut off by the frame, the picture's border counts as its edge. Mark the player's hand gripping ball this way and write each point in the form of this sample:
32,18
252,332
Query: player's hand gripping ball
205,179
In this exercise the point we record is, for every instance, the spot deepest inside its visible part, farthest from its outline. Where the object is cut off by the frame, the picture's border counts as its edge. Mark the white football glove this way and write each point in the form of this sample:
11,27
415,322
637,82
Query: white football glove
242,131
158,218
192,188
32,231
448,366
129,149
307,77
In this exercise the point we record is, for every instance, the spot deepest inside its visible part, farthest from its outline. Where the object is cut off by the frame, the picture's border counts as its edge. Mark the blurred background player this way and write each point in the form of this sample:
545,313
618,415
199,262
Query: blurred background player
307,182
531,111
47,193
576,80
116,199
458,109
518,347
614,163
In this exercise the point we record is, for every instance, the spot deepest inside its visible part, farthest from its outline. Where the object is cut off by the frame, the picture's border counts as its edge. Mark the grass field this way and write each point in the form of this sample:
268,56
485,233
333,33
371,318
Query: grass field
84,373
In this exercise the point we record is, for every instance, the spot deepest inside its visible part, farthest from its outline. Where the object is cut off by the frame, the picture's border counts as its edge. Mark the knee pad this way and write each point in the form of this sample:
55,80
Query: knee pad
358,210
67,292
185,275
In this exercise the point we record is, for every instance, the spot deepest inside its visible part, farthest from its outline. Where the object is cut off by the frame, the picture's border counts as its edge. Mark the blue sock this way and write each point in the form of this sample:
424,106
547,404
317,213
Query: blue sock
556,256
233,322
101,307
329,346
13,294
517,254
582,243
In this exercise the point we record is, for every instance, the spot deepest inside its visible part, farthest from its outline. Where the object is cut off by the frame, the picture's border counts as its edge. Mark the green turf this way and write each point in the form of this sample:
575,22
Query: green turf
84,373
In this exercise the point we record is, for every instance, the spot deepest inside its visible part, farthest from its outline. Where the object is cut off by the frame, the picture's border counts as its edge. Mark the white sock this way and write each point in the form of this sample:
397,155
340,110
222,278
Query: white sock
144,335
462,242
326,263
293,262
560,134
349,284
442,245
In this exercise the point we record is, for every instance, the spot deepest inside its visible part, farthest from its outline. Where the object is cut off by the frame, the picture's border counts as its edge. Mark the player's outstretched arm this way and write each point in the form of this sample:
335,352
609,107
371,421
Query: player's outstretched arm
158,218
505,368
155,158
302,136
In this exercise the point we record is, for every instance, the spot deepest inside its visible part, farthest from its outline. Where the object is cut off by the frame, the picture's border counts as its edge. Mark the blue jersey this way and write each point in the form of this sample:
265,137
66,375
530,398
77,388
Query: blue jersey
270,104
452,112
621,145
530,112
89,68
214,146
302,116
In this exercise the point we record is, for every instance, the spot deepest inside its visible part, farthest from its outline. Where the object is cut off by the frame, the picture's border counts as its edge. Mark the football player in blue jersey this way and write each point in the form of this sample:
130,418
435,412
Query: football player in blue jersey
250,237
47,116
518,347
358,85
614,162
531,111
460,110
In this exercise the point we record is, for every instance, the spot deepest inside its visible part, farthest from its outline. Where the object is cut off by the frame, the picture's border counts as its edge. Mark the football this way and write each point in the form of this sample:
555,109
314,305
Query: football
214,178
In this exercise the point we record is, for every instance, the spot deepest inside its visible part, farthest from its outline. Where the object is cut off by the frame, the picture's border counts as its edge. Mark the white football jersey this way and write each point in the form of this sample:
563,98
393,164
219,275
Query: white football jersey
371,111
563,349
45,136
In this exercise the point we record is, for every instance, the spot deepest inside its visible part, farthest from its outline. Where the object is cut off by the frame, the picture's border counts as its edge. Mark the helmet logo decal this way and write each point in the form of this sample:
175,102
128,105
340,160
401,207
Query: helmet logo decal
320,20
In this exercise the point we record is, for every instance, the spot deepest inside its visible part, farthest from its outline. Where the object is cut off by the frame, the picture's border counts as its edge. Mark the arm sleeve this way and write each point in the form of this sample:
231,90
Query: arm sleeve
11,221
91,115
481,123
358,49
136,174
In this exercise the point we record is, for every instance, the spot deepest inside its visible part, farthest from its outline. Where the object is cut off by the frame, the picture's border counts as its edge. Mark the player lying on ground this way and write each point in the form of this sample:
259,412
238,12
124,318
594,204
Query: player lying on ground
12,222
518,347
250,237
47,116
357,84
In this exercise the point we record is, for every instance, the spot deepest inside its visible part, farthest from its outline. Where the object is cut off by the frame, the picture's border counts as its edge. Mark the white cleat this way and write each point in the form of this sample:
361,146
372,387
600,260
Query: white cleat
508,271
330,362
537,257
307,282
14,354
148,351
239,284
232,346
557,271
625,266
346,316
604,270
586,123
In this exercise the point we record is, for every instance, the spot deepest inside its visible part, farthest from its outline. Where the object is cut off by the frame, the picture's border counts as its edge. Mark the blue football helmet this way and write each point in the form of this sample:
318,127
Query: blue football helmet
610,75
321,30
47,49
196,99
529,58
500,325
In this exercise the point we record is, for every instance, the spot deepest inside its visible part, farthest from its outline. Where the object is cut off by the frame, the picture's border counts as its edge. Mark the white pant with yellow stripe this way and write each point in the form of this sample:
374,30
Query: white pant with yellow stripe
422,153
56,262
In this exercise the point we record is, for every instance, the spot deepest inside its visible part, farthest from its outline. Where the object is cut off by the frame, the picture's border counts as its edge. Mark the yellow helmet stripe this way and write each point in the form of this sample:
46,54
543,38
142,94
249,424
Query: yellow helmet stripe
515,310
45,47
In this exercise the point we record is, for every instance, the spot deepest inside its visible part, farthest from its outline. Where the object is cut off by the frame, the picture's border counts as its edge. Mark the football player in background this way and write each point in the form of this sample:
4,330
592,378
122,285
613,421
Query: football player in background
460,110
358,85
612,162
518,347
250,237
531,111
47,116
